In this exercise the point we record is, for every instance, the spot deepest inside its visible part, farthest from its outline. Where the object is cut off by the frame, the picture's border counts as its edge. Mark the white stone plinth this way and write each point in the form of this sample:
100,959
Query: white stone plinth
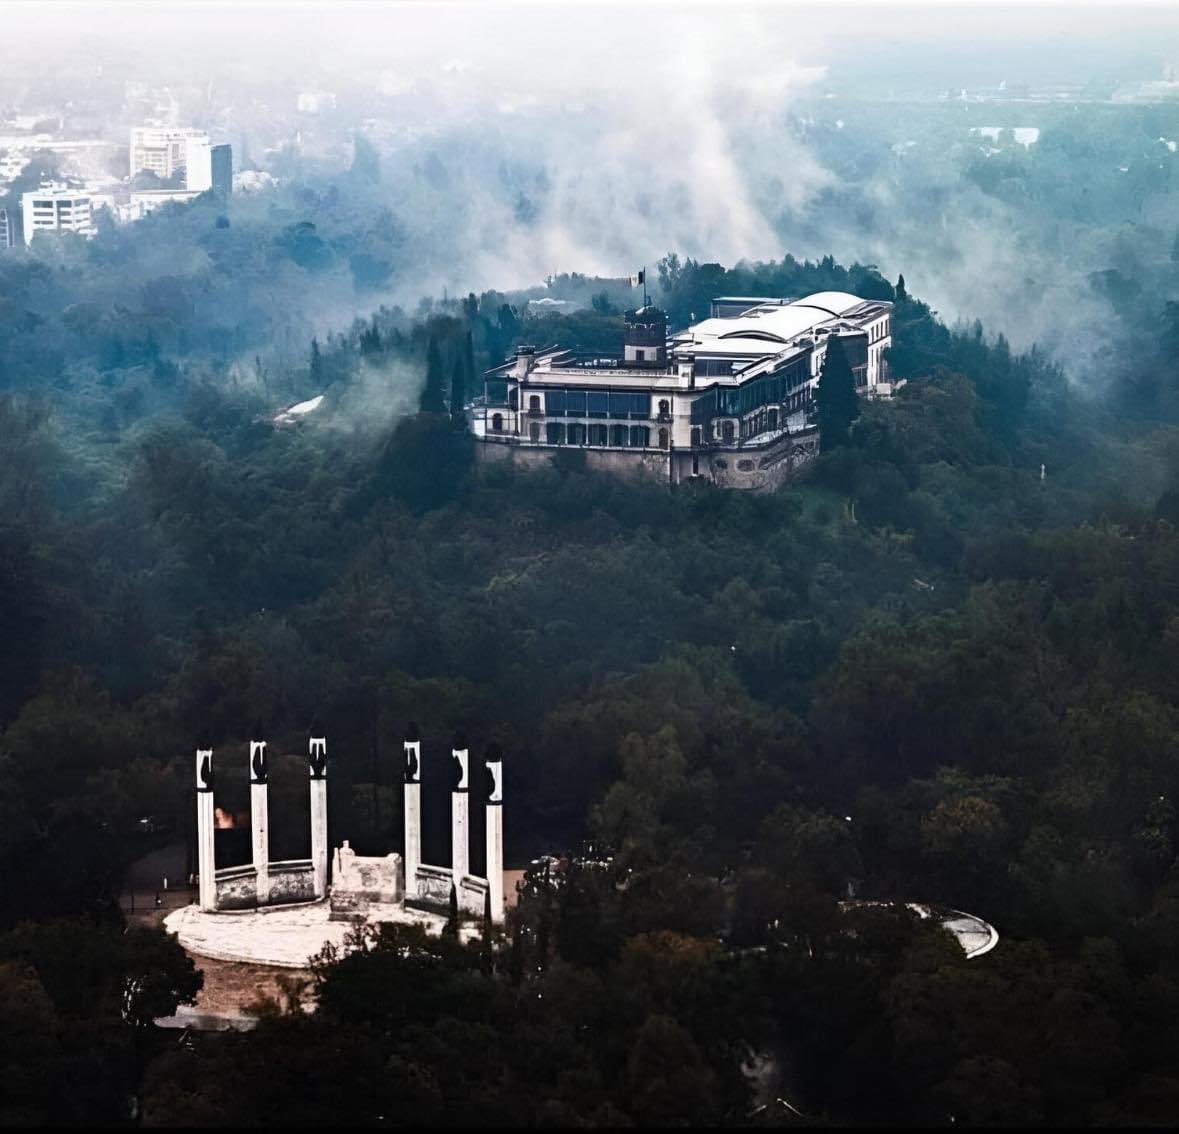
282,936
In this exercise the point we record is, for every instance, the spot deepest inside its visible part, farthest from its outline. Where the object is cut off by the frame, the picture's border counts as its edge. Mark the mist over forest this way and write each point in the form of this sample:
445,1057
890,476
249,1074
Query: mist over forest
740,729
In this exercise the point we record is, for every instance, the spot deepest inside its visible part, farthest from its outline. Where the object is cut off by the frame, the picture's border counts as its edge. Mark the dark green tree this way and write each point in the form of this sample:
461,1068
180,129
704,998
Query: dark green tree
836,398
433,399
458,388
316,362
452,918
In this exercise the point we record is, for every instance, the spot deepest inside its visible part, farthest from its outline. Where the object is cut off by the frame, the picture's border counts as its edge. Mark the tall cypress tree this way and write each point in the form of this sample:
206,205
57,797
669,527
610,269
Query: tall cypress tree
433,398
462,380
451,927
458,388
836,398
469,360
316,363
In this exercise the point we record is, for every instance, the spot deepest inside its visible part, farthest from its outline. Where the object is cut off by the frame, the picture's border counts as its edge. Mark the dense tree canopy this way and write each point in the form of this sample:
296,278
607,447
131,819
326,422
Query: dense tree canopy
936,669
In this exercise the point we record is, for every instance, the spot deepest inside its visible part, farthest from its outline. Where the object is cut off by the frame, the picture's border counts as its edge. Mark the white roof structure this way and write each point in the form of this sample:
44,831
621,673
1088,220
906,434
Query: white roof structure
300,409
758,330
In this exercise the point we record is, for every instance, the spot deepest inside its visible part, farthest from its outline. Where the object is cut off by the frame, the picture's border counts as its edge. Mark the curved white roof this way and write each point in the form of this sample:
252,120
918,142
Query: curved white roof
837,302
765,327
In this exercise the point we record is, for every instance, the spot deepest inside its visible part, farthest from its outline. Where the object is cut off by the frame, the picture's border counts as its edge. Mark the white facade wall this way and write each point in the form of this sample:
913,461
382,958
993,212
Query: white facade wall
198,164
56,210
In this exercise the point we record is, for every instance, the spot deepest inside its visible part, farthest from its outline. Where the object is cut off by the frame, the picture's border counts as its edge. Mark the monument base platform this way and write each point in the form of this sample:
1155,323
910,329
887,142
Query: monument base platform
285,937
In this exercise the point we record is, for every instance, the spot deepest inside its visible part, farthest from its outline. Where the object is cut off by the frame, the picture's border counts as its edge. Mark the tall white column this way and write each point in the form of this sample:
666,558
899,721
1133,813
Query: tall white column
259,820
206,861
319,831
495,832
413,809
460,859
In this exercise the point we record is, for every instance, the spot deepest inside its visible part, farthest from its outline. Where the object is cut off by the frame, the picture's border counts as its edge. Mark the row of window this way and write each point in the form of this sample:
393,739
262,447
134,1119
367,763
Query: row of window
574,433
592,403
769,389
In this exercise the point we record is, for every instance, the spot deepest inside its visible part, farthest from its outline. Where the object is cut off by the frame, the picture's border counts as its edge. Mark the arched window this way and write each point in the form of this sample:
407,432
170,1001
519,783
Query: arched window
534,403
640,436
727,431
696,436
555,433
664,439
534,431
576,433
773,419
497,423
664,409
618,435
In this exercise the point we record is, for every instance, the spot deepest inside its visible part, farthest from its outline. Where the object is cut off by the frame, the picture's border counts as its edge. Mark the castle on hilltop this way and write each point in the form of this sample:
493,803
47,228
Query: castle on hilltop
729,399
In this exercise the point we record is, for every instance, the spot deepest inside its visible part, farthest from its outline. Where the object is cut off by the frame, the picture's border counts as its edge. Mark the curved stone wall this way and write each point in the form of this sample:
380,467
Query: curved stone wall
433,891
291,883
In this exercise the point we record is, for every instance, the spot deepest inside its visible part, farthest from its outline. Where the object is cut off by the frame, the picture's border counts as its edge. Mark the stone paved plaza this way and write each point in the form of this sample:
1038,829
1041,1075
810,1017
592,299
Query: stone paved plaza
285,936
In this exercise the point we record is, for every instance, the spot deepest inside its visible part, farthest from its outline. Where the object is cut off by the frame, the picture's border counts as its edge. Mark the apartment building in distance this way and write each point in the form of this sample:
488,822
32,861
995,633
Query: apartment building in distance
209,167
182,154
57,208
163,150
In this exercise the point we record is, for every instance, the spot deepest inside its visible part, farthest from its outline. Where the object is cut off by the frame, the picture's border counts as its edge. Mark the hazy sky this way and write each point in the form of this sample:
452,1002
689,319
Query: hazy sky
632,129
569,38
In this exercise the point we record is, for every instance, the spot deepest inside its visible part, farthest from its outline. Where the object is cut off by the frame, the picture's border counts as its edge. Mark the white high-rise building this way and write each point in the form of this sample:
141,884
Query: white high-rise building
208,167
163,150
55,208
198,163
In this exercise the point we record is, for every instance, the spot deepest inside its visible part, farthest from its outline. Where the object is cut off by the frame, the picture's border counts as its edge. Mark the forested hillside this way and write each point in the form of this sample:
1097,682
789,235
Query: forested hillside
937,669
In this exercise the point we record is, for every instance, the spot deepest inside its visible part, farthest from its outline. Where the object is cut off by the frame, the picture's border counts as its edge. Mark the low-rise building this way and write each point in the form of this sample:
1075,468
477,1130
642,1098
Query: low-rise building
56,208
144,201
729,398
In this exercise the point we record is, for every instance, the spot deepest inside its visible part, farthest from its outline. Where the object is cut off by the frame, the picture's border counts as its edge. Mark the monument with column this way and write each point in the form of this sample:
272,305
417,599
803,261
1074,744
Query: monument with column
259,827
206,890
393,887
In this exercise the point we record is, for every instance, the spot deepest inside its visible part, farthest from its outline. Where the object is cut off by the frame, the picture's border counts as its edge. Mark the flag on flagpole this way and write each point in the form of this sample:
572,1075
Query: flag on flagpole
636,280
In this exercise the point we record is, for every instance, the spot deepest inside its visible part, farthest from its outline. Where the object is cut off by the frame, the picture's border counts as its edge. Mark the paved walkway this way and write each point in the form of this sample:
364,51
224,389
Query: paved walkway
286,936
974,935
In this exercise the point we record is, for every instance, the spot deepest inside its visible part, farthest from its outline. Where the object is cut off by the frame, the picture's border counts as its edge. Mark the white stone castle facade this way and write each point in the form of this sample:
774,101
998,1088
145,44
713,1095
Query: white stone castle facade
728,399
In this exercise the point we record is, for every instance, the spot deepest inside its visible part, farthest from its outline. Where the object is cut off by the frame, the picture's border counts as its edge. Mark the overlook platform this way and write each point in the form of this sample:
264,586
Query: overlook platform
282,936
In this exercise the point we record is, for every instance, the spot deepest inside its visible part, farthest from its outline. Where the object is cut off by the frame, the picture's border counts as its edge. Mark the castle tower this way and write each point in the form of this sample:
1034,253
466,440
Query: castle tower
644,337
259,819
460,859
413,808
495,832
319,833
206,861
